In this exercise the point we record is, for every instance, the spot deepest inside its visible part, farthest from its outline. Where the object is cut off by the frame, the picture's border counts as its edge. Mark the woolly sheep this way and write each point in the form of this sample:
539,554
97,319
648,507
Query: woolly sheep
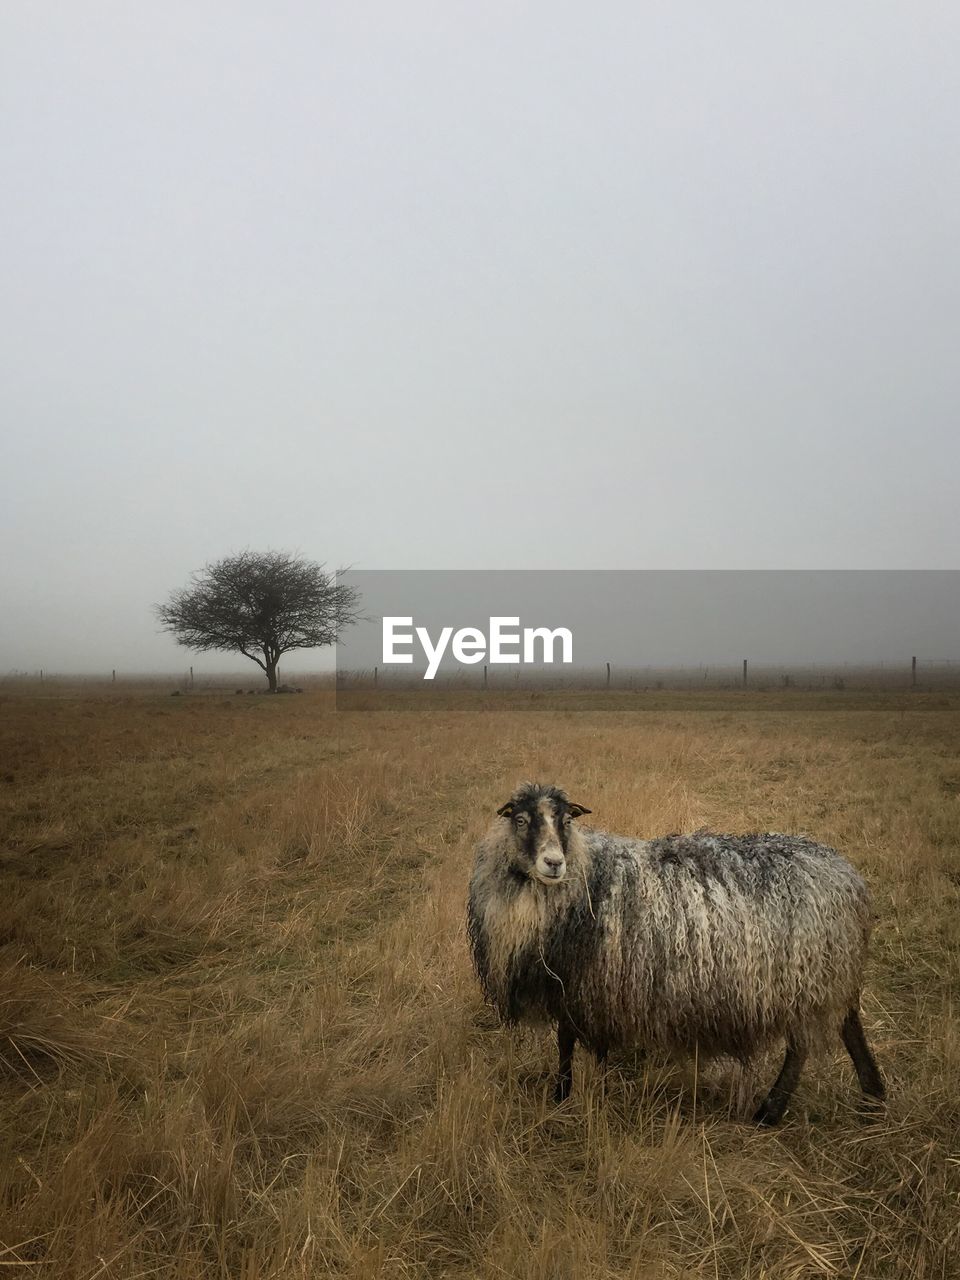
702,943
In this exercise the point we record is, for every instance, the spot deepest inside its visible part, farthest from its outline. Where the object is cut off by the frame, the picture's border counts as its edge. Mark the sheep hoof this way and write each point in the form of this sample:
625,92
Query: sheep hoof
767,1116
872,1109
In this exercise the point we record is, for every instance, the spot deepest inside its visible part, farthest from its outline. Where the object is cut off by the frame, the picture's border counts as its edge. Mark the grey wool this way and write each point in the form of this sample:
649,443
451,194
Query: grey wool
703,943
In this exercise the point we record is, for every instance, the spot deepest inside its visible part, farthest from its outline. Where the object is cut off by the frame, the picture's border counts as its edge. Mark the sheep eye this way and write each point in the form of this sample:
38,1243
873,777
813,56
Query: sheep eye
521,819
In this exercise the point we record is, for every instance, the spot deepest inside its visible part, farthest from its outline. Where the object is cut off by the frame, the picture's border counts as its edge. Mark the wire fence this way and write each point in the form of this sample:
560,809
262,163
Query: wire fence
913,673
919,673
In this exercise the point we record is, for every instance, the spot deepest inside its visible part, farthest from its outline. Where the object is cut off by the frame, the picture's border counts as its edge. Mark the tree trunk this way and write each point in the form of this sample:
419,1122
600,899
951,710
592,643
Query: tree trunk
272,675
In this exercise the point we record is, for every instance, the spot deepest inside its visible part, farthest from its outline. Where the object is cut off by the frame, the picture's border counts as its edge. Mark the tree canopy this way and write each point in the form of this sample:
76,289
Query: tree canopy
262,604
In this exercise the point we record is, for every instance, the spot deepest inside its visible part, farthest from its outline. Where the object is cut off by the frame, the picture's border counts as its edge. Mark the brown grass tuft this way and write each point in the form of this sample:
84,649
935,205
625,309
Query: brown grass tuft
43,1027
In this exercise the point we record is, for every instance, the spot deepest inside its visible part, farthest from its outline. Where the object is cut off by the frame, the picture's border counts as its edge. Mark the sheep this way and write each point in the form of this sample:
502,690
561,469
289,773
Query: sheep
710,944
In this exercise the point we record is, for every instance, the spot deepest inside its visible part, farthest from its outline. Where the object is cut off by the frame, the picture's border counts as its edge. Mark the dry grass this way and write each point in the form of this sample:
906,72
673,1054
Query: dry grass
239,1036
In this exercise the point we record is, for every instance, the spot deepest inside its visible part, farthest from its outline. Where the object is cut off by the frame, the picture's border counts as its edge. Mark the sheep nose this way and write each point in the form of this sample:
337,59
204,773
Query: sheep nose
553,863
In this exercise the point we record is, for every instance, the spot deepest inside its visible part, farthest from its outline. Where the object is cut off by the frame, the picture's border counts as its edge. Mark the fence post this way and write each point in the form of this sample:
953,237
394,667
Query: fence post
913,671
113,675
376,676
608,675
191,677
744,673
484,675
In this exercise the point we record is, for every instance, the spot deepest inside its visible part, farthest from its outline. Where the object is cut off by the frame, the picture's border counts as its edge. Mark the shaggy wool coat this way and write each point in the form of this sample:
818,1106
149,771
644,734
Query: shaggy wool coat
709,943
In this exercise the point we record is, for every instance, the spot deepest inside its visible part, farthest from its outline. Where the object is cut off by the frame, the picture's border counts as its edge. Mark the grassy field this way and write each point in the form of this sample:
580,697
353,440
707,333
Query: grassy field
240,1036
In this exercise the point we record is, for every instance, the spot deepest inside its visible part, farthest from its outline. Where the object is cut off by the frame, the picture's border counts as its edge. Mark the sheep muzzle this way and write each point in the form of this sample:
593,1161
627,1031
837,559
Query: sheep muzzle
550,866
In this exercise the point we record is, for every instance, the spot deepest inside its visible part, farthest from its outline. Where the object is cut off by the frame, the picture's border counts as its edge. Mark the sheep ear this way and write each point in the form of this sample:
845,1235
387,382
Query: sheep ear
505,810
576,810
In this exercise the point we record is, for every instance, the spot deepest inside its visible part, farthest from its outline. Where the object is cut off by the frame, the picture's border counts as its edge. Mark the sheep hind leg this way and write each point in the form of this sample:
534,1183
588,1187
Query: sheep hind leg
566,1043
771,1110
855,1042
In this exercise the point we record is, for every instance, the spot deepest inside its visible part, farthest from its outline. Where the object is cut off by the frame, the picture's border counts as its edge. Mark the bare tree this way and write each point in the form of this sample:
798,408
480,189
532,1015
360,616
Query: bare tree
261,604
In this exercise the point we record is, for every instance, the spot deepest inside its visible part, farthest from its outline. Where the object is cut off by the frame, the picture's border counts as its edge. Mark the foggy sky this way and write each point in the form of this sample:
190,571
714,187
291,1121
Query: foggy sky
449,285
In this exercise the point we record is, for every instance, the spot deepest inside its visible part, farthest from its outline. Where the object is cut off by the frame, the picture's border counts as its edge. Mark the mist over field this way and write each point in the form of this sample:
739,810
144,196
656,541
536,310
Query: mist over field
448,287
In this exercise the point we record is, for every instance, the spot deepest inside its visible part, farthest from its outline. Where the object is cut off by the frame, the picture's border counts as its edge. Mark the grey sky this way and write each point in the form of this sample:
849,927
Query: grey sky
459,285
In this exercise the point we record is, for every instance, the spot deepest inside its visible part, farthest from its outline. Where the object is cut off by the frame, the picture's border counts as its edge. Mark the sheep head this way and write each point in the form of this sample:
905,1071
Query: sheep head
538,821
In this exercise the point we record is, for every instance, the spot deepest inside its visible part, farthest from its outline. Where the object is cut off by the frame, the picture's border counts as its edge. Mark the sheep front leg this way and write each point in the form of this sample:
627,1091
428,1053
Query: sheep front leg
566,1043
774,1104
